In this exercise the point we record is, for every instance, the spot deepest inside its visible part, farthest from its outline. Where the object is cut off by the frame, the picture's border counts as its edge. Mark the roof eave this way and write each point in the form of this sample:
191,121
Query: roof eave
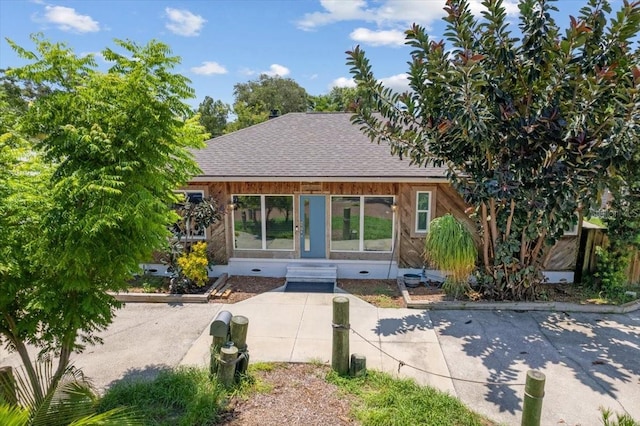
405,179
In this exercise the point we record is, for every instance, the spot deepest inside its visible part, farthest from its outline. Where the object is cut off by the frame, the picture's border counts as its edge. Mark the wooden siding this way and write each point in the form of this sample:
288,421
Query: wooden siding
446,200
562,256
409,247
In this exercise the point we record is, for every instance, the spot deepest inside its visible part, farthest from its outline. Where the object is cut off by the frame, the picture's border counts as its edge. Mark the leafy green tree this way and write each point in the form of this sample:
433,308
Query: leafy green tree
339,99
527,128
92,169
213,116
256,98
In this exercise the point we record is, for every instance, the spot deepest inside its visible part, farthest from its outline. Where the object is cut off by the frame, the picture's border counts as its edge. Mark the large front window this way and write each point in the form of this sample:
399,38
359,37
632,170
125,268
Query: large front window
361,223
263,222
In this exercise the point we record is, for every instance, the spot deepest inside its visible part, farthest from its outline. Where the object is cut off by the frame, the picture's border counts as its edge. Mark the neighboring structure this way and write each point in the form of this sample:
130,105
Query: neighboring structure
310,188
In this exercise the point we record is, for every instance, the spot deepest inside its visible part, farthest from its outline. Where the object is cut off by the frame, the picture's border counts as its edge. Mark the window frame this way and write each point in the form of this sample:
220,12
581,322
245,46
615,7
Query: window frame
361,248
413,228
263,224
418,211
186,193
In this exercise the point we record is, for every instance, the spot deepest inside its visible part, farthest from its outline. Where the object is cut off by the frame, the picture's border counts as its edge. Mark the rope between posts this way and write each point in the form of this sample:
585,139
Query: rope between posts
402,364
234,361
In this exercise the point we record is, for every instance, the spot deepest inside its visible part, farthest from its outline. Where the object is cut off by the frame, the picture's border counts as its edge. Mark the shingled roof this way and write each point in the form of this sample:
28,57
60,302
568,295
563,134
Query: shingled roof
303,146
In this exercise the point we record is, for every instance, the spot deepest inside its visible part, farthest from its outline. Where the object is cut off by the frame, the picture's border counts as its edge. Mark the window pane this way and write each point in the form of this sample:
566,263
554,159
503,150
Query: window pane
423,201
345,223
279,217
422,221
378,223
247,223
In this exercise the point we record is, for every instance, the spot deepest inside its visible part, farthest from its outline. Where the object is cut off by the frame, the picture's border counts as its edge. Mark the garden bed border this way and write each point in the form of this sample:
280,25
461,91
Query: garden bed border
171,298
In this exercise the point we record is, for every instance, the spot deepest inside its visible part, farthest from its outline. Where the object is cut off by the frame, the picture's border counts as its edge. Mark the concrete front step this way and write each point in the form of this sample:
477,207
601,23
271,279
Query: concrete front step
312,273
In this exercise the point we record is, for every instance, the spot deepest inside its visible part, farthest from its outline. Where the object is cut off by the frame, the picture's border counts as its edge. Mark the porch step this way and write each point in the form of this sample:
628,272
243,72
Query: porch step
312,273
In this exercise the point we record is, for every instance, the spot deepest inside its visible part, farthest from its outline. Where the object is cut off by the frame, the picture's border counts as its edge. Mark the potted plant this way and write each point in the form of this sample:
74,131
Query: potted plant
449,246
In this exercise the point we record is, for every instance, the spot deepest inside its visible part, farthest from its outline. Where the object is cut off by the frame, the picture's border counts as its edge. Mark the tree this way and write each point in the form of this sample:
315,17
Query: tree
213,116
339,99
256,98
92,169
527,128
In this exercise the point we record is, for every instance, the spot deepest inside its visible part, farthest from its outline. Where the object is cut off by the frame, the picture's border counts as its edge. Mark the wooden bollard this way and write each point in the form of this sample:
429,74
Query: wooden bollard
358,365
8,386
227,365
533,394
239,326
340,353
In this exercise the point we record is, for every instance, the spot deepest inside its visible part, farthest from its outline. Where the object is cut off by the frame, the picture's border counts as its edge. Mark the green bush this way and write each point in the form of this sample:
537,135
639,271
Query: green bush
610,276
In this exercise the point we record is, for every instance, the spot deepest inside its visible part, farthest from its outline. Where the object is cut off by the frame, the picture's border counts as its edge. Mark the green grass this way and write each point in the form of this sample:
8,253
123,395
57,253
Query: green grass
183,396
385,401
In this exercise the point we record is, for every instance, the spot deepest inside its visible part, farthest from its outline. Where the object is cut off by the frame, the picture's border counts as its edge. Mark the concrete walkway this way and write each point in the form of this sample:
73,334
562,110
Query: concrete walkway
590,360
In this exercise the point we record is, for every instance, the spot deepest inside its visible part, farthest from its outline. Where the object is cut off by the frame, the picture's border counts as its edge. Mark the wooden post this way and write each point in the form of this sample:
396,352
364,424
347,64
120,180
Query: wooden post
227,367
358,365
8,386
340,355
239,326
533,394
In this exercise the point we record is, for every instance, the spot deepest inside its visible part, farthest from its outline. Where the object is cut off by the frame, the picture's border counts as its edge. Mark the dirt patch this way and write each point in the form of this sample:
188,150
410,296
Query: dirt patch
244,287
386,293
380,293
294,394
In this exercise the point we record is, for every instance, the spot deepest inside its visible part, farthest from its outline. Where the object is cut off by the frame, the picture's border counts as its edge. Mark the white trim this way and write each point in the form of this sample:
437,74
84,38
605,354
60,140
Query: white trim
415,225
361,223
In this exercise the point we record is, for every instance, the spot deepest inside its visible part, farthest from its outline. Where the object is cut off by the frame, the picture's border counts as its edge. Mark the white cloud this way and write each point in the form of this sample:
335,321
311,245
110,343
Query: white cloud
209,68
247,71
184,23
511,7
389,13
398,83
378,38
313,76
342,82
277,69
67,19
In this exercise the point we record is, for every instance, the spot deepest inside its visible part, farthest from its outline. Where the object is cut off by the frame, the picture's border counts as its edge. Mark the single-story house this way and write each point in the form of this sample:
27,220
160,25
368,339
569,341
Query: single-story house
311,189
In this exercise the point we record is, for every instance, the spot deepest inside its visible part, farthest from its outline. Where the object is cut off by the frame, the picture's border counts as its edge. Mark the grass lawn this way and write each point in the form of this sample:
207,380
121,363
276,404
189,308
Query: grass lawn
187,396
385,401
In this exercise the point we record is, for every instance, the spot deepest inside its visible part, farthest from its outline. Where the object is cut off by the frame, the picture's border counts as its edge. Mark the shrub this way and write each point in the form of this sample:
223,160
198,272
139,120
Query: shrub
449,246
193,265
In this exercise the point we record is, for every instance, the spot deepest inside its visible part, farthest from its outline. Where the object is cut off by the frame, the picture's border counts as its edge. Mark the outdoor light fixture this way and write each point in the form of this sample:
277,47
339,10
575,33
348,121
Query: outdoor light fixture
394,207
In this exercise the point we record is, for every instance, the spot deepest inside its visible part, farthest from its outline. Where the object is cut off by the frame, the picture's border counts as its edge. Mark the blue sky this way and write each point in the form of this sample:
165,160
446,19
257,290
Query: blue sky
224,42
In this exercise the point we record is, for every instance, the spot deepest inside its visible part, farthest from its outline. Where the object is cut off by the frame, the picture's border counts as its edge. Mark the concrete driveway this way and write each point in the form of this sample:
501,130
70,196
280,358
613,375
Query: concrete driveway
589,360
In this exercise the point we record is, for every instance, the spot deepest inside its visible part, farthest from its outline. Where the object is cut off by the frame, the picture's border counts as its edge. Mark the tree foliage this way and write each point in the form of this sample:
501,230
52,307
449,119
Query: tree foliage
339,99
528,128
213,116
92,166
256,98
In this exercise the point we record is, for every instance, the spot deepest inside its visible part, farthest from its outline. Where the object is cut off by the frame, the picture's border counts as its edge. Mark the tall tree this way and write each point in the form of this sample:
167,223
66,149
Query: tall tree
92,169
528,128
339,99
256,98
213,116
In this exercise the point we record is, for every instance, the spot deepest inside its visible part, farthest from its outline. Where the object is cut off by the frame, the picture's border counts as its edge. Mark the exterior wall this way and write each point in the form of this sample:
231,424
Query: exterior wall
445,199
409,245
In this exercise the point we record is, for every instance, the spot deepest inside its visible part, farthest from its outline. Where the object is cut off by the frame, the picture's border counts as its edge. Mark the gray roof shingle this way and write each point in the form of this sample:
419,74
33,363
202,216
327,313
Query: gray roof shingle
304,146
